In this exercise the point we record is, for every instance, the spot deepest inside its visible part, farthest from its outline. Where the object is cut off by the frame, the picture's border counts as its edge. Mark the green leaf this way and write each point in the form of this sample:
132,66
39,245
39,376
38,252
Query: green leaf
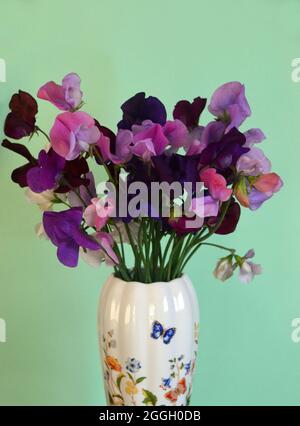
150,398
140,379
119,379
131,377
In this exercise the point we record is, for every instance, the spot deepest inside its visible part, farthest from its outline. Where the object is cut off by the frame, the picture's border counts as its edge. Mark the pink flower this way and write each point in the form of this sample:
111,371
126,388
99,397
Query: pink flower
98,212
66,96
72,133
177,134
216,184
157,136
124,141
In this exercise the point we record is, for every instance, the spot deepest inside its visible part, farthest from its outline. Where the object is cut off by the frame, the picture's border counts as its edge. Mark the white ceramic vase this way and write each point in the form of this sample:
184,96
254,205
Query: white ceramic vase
148,337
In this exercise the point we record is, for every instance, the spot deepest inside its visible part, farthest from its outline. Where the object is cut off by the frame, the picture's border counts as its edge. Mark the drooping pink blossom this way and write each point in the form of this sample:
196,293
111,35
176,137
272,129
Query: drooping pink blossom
66,96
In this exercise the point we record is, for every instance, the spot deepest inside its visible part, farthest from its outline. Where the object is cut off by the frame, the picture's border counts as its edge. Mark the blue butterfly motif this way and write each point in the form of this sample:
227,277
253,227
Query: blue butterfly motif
158,331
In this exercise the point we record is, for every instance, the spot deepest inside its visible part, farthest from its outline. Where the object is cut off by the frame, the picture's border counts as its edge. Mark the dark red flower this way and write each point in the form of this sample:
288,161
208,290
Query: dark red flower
19,175
73,175
189,112
230,220
20,122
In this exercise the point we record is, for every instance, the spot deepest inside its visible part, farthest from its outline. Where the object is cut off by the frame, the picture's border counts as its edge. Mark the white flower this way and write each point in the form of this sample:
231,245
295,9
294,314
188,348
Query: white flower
248,270
223,269
44,200
40,231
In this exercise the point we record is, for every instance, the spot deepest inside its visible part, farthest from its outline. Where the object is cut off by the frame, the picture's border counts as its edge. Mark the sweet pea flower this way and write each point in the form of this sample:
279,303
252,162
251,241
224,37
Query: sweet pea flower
64,230
44,200
216,184
261,189
223,269
105,253
20,122
177,134
85,193
97,214
67,96
123,144
205,206
225,152
139,108
253,136
248,270
229,104
156,134
46,174
253,163
19,175
189,112
72,133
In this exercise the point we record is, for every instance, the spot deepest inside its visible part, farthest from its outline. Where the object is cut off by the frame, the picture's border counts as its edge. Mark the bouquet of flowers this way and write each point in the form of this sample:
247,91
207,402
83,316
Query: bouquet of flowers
171,184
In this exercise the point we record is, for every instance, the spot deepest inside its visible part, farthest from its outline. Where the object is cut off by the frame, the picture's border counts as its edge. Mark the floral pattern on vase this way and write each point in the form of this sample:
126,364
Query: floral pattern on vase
128,379
119,379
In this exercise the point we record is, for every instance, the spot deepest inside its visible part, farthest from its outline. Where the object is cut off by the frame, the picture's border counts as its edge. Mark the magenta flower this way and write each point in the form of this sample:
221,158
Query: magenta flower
72,133
47,173
177,135
216,184
229,104
122,142
64,230
66,96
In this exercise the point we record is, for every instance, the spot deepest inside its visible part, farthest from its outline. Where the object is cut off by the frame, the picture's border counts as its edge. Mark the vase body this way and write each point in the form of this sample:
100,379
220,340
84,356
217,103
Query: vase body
148,338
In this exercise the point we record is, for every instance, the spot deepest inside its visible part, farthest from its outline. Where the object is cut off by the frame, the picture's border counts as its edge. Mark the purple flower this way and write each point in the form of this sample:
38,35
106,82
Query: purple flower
253,163
47,173
230,220
176,168
248,270
63,229
19,175
139,108
229,104
20,121
189,112
225,152
66,96
253,136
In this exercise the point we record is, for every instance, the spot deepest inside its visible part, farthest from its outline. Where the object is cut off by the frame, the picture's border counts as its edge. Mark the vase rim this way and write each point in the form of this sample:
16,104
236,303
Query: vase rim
183,277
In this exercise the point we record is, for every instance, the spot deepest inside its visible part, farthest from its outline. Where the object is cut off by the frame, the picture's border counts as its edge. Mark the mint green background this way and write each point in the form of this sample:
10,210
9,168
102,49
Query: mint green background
173,50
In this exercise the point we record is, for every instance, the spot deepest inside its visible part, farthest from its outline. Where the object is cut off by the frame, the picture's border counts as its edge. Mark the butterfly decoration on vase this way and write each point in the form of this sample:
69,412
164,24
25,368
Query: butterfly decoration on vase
159,331
173,394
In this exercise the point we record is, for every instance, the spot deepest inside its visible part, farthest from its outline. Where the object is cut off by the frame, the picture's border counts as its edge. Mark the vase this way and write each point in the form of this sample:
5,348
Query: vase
148,338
